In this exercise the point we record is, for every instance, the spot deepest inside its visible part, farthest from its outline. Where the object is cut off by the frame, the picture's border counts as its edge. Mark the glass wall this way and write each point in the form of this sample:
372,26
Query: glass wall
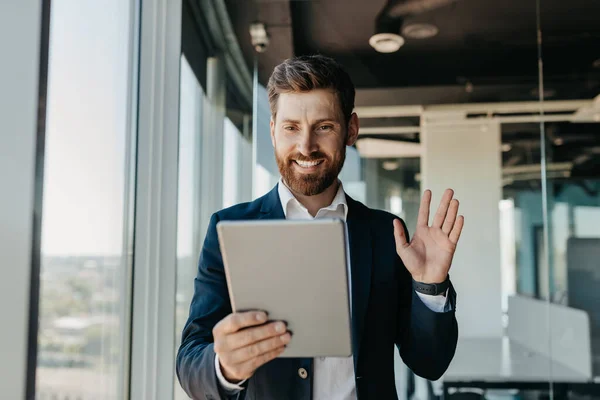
191,105
570,72
85,296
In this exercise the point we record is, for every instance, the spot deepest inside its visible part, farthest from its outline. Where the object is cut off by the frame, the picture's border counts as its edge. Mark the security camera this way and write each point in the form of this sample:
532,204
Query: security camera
260,38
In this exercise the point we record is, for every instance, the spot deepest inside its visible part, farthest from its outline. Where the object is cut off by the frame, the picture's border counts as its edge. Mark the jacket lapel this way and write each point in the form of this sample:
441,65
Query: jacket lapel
271,206
360,265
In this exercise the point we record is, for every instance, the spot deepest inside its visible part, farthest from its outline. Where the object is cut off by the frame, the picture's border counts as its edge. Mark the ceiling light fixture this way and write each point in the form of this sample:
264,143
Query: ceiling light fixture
387,37
469,87
260,37
420,30
386,42
390,165
596,64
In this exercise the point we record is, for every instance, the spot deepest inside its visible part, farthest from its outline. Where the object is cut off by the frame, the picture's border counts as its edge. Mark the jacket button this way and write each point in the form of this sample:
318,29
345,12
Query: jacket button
303,373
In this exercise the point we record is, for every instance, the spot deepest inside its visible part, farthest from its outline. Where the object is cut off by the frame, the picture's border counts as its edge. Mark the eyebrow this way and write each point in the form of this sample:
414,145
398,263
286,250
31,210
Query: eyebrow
319,121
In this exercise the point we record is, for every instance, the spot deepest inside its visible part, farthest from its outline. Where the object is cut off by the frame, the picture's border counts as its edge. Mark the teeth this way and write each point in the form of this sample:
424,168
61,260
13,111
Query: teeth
307,164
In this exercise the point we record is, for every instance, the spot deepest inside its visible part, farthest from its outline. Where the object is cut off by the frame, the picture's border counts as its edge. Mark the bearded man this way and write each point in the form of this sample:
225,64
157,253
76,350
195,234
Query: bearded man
401,293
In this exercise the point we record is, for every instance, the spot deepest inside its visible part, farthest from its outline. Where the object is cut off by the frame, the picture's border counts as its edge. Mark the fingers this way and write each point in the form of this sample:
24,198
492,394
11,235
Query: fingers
255,350
423,218
245,370
237,321
445,218
458,226
249,336
450,217
440,215
243,346
399,235
243,350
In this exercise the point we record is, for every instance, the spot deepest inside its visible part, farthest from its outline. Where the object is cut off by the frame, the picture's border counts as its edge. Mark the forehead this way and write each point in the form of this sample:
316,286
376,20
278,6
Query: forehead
315,104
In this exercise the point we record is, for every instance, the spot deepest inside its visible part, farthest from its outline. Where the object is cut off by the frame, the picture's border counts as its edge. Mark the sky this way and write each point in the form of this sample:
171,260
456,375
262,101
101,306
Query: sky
86,131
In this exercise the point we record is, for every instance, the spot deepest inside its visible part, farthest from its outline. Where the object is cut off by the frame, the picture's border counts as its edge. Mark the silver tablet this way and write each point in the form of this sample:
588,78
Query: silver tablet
296,271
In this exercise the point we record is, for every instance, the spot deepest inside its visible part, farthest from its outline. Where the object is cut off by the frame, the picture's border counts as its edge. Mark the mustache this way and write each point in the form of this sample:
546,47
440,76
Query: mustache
317,155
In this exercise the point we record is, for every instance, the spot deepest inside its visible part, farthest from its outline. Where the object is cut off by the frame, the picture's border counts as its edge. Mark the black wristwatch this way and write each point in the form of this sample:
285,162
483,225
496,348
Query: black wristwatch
432,288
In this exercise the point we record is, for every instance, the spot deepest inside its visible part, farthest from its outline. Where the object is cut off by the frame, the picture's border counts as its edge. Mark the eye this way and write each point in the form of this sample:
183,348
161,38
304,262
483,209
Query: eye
325,128
289,128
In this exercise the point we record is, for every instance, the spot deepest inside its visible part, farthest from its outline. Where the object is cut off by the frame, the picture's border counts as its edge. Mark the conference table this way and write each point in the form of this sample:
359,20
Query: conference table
499,363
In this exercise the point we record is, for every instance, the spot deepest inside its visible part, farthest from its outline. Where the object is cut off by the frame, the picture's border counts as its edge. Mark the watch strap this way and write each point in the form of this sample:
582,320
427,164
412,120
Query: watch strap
432,289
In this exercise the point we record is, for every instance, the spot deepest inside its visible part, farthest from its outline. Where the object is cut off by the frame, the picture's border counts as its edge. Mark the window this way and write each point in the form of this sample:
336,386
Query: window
191,101
86,237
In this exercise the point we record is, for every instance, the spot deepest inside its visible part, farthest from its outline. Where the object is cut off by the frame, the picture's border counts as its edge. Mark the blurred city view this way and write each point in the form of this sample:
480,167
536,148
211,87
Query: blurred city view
79,344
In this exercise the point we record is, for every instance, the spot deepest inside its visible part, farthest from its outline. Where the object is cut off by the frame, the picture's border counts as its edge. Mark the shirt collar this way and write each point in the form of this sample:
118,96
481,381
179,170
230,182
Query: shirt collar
286,196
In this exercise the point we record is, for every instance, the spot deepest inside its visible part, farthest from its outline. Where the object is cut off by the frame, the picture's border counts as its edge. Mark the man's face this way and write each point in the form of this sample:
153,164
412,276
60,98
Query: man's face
310,138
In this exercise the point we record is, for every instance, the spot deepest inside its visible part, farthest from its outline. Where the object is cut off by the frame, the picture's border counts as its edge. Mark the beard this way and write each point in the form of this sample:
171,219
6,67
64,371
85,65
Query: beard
315,183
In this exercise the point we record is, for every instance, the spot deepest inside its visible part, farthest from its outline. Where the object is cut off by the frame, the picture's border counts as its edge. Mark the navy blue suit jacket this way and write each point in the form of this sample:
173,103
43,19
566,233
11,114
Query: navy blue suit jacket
386,312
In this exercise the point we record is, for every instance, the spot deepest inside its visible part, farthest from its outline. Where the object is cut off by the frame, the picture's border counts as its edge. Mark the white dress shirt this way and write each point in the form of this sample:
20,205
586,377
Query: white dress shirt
333,376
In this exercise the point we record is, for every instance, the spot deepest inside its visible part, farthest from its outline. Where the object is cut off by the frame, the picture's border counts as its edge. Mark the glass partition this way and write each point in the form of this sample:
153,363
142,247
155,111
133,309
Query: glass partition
570,128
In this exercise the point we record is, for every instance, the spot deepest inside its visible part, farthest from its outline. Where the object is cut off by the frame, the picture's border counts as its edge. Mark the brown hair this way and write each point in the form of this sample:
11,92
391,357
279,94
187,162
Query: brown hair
305,73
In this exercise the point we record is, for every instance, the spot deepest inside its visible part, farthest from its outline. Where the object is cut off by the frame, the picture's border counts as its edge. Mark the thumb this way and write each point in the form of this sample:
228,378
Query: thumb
399,236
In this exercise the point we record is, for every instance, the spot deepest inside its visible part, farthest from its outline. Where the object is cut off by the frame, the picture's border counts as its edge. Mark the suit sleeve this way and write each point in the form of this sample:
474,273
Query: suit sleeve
196,356
426,339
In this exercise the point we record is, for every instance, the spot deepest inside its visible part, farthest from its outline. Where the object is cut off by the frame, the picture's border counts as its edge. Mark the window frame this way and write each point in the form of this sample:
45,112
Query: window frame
23,79
155,250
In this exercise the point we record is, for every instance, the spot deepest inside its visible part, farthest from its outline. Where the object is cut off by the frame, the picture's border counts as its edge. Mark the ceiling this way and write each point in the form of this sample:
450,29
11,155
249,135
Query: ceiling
485,52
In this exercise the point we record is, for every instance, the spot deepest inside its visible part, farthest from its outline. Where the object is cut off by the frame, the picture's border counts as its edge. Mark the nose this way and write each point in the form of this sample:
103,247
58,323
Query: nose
307,143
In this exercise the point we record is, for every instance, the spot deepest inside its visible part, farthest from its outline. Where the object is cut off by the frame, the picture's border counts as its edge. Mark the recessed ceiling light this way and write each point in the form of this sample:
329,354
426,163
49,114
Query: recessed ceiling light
420,31
506,147
559,141
386,42
390,165
469,87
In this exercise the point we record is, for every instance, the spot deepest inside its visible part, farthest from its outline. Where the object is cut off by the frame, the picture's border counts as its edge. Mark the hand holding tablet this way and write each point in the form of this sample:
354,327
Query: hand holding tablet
297,272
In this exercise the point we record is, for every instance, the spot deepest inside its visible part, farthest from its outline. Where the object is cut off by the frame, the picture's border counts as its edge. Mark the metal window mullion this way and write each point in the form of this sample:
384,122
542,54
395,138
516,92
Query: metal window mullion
126,271
212,142
198,227
154,283
245,164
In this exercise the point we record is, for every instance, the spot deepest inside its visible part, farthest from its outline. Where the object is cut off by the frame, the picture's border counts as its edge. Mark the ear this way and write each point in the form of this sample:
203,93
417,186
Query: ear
272,128
353,126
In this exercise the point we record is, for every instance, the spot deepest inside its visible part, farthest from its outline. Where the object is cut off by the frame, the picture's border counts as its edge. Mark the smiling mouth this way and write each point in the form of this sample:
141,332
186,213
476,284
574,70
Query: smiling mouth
308,164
